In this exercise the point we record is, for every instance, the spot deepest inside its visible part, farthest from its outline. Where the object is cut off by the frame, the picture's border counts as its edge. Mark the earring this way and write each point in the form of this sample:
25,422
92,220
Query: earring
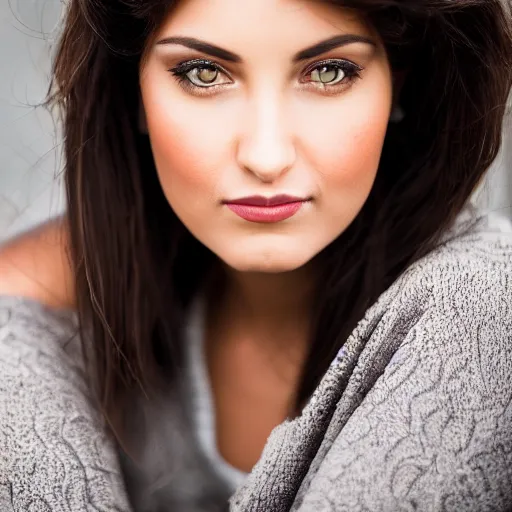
397,114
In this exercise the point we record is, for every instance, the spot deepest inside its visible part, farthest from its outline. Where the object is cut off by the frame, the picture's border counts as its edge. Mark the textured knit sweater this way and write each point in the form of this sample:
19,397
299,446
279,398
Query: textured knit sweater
415,412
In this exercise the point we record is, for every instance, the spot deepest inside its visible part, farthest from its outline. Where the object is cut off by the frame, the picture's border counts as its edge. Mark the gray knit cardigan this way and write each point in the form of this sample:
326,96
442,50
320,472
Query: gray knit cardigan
415,413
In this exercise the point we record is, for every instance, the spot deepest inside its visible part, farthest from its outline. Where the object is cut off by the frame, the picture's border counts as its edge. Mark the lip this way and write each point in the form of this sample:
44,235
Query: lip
266,201
266,214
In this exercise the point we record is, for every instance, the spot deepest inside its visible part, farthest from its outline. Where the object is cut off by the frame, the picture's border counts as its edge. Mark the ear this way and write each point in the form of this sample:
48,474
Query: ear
143,125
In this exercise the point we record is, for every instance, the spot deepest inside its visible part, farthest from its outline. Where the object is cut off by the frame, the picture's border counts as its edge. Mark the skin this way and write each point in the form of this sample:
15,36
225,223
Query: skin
268,127
36,265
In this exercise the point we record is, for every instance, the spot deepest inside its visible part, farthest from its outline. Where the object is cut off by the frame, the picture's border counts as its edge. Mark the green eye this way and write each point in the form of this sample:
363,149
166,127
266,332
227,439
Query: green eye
328,74
202,76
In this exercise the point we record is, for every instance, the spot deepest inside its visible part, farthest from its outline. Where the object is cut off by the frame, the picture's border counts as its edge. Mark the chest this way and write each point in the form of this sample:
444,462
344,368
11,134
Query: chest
251,391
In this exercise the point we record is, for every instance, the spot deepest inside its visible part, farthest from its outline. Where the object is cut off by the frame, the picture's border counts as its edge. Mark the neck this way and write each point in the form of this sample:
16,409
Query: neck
269,311
264,316
268,301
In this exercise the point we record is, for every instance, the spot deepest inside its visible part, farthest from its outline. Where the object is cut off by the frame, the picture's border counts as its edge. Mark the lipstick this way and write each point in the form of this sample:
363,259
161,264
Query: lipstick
266,210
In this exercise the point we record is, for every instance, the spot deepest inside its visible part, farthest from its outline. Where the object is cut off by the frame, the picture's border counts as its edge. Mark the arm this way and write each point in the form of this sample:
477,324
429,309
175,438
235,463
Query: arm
36,265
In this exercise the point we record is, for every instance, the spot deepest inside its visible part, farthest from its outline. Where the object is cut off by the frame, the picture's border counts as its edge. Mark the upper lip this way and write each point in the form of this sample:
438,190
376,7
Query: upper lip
266,201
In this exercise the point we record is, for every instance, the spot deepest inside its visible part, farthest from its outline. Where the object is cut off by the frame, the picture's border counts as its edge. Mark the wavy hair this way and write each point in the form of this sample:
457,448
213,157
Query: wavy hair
137,267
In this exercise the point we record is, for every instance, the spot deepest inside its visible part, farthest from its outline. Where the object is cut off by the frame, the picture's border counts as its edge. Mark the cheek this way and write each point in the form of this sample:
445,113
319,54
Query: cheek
182,152
355,162
347,150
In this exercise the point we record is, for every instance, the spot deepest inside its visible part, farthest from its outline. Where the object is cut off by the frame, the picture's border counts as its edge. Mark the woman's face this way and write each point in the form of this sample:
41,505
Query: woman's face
266,98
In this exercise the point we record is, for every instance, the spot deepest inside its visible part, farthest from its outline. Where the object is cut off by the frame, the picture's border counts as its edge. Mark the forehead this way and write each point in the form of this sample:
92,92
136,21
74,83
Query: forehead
251,21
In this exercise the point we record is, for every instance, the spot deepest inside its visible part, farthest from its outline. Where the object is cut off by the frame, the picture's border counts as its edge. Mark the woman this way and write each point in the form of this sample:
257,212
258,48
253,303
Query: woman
283,297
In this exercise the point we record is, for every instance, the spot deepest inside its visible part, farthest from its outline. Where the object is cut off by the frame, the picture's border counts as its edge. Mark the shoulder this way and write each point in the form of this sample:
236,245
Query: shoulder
465,324
36,317
458,297
468,275
36,322
36,265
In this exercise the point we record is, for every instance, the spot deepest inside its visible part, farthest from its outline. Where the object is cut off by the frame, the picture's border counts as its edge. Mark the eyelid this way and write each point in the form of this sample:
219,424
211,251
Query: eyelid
189,65
341,63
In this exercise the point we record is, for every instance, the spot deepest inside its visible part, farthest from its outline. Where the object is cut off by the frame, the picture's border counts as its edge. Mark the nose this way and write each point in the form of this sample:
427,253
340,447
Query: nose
266,148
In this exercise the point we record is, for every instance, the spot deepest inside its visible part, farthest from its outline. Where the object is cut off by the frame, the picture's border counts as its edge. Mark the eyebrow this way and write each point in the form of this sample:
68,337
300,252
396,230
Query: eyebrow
308,53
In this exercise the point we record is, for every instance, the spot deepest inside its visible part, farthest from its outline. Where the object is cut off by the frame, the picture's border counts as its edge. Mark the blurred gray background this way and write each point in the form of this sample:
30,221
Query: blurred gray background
31,189
30,162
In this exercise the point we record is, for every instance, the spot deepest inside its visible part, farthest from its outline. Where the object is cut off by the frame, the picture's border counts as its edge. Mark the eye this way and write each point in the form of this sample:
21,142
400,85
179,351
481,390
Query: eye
328,74
332,73
203,76
199,73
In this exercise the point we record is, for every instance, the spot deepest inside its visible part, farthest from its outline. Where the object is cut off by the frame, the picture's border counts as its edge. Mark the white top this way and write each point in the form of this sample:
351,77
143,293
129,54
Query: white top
203,414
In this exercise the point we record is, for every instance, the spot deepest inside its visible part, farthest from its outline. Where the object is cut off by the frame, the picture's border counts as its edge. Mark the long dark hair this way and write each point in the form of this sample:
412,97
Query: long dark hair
137,267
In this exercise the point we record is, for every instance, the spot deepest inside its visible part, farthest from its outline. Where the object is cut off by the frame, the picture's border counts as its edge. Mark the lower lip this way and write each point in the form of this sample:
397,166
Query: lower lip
266,214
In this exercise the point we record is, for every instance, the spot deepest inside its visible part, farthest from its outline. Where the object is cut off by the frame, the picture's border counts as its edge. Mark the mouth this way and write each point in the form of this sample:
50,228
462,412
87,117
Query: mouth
266,210
267,201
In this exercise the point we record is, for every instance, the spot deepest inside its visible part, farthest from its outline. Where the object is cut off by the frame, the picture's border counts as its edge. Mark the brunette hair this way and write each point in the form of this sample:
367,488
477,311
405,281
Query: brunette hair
137,267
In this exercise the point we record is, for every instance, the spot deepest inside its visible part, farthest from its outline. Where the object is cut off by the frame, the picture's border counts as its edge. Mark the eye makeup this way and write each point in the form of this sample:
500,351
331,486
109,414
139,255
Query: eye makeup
183,73
188,76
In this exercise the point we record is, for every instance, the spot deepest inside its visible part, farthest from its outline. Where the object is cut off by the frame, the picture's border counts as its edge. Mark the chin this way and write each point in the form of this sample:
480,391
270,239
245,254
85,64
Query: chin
271,262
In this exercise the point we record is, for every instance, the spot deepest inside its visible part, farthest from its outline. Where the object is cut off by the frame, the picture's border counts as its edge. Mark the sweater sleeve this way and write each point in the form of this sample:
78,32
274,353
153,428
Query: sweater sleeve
54,454
435,431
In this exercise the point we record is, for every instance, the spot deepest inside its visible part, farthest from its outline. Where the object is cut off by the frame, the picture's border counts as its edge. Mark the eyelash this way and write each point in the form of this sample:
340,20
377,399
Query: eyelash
352,71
